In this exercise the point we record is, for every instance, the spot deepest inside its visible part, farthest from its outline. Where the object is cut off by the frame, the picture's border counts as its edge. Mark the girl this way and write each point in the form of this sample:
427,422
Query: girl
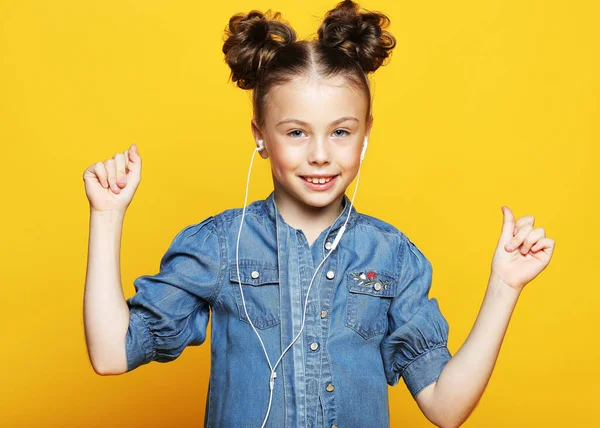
316,308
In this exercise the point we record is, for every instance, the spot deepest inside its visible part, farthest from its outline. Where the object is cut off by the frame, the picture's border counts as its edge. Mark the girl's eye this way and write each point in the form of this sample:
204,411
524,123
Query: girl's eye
344,133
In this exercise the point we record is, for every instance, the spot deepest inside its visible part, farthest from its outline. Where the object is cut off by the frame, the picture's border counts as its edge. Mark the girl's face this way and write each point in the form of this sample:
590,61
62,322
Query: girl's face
313,128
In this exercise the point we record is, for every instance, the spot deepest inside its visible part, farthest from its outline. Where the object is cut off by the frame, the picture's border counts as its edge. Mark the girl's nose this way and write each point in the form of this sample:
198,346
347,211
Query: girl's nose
318,151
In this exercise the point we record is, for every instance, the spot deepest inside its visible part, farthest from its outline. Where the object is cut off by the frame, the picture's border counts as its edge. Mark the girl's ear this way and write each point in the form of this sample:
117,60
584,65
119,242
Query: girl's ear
263,153
369,125
259,136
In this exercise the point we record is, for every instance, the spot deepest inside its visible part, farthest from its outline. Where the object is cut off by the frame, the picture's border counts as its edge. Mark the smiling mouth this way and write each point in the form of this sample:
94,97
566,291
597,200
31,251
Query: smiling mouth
318,180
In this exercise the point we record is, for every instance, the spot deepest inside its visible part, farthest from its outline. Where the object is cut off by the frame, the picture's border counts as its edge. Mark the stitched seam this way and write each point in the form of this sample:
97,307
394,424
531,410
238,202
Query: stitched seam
142,316
212,300
363,219
441,345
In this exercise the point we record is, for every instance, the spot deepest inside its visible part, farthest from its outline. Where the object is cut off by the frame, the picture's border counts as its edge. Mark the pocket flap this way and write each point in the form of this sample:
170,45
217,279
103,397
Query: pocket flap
254,272
373,282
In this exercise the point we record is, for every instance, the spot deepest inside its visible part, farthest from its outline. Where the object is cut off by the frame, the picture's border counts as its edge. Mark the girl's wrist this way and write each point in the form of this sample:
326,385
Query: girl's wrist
497,286
108,214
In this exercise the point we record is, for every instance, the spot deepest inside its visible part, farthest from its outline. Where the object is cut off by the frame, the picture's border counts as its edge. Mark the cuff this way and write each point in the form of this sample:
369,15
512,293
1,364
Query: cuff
139,343
425,369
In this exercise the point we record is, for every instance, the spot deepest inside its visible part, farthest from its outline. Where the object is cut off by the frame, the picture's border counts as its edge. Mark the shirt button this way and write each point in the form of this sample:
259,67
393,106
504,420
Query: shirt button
323,314
314,346
329,387
328,245
254,274
330,274
377,286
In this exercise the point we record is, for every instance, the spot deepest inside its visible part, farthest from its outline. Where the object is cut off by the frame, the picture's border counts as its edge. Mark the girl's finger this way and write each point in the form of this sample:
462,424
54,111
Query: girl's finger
527,219
533,237
134,154
111,171
541,244
126,159
100,172
518,238
120,167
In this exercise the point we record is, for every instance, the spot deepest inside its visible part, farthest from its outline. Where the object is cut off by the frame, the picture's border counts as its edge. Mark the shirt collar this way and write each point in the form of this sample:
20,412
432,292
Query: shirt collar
269,208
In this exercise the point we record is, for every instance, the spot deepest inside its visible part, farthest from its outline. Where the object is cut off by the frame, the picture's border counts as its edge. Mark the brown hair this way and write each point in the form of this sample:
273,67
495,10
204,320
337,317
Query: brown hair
262,50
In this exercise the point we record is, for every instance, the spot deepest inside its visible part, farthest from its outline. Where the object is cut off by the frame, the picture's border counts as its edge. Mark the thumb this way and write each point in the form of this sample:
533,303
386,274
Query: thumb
508,225
134,156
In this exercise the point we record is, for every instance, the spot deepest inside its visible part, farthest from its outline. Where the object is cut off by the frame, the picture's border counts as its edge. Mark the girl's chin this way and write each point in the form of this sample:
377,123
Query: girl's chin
321,199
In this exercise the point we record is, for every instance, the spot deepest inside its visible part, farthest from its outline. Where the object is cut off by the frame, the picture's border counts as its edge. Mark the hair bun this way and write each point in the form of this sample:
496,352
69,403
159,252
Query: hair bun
251,42
359,35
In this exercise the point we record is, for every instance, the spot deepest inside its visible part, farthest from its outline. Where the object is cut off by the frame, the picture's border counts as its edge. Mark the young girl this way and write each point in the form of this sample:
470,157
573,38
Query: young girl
316,308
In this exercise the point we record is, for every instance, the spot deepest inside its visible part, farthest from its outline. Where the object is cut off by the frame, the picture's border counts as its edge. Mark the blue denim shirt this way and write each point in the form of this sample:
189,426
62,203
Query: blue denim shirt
369,319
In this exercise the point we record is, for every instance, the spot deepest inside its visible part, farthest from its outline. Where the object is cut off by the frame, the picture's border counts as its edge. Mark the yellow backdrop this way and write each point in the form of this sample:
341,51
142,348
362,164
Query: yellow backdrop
484,103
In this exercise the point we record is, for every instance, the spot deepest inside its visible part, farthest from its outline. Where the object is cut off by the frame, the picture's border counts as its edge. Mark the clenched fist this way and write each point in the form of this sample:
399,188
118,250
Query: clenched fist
110,185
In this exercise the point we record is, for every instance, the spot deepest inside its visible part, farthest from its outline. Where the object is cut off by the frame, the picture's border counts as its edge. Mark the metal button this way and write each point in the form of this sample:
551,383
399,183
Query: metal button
330,274
254,274
328,245
314,346
334,426
323,314
329,387
377,286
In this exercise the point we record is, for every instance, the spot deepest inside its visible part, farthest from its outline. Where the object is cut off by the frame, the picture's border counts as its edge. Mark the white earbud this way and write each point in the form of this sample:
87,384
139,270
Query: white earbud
261,145
364,149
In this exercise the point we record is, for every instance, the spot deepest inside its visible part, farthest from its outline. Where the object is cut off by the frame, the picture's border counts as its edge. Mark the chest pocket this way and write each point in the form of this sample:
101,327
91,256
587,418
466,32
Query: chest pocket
260,285
370,294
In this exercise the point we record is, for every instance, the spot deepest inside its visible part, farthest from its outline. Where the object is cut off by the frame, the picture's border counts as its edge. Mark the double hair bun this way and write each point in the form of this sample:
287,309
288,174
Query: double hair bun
253,39
360,35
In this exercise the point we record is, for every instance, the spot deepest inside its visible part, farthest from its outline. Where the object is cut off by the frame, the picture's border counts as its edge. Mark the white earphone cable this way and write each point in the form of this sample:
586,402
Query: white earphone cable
272,368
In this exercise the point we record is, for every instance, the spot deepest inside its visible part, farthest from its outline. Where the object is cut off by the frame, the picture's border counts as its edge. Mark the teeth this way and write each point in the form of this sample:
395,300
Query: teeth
318,180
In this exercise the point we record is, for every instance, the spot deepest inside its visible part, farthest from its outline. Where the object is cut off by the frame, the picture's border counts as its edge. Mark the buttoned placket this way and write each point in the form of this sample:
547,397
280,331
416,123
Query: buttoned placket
293,381
330,278
306,365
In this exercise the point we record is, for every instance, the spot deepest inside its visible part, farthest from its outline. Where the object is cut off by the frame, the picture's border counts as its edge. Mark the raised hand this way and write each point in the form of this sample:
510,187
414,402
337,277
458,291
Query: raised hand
522,251
110,185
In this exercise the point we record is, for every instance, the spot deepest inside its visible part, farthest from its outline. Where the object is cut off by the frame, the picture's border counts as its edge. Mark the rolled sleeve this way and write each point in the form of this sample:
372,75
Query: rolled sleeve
415,346
170,310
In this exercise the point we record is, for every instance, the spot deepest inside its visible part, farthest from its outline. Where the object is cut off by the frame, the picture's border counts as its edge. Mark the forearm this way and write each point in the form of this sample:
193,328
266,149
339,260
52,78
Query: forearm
465,376
106,315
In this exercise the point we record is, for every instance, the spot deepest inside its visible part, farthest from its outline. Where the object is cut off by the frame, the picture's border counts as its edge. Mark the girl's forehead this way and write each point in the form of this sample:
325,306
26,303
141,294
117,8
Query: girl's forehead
315,97
334,84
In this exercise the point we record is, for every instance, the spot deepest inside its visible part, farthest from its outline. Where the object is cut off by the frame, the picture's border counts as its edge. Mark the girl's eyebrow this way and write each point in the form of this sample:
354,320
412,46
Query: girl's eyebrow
335,122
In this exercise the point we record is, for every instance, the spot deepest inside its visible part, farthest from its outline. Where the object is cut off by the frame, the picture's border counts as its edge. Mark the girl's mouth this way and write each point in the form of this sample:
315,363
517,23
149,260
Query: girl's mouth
319,184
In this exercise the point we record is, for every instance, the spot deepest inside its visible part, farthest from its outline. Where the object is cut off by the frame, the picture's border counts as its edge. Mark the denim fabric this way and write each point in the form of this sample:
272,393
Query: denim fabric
369,319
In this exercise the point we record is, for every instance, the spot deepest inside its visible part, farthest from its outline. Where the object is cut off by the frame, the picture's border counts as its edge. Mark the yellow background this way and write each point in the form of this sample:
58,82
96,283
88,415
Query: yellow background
483,103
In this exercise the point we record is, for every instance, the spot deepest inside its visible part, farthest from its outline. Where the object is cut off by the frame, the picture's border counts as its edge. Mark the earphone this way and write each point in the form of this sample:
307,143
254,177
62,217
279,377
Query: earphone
338,237
364,149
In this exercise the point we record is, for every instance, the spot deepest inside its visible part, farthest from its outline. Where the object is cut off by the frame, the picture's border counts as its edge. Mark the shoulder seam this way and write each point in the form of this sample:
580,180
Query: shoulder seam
210,222
213,299
398,232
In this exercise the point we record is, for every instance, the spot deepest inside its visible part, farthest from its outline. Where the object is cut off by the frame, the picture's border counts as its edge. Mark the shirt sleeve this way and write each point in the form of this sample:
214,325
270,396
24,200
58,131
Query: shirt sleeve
415,346
170,309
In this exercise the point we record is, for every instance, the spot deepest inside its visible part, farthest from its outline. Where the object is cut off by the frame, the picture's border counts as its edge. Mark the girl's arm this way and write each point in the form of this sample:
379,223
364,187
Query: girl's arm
521,254
106,314
451,400
109,187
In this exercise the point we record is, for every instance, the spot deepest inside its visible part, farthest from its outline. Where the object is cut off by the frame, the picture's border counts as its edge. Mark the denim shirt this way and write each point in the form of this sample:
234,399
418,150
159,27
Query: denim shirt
369,319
